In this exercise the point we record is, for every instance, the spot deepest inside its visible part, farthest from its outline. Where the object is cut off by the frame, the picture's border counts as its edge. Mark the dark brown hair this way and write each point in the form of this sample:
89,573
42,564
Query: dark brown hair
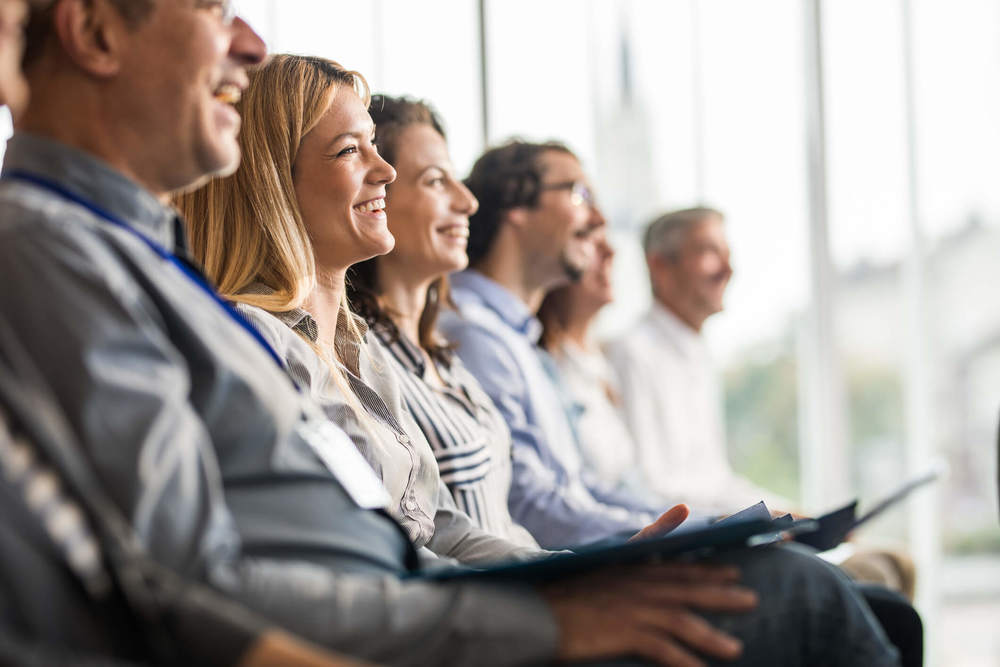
553,313
503,178
392,115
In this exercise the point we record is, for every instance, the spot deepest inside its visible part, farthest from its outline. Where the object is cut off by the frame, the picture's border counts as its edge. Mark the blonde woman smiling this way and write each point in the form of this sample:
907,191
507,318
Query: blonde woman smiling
278,236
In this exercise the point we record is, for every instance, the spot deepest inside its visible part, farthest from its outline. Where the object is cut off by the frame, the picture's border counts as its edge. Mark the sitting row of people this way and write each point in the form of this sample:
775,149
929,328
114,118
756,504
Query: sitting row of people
287,412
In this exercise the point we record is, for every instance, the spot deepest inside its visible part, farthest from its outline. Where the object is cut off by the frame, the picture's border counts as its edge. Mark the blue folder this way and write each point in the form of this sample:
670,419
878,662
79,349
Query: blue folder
692,542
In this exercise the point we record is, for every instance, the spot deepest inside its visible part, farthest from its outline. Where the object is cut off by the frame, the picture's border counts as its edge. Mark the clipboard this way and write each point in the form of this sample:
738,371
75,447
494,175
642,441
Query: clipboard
703,540
835,526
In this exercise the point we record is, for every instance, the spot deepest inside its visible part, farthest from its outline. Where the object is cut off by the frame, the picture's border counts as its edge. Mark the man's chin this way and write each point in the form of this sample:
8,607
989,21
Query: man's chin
217,165
225,160
573,272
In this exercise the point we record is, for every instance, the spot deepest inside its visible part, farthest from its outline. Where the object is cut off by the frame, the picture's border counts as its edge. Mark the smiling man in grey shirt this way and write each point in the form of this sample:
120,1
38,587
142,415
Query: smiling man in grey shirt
226,472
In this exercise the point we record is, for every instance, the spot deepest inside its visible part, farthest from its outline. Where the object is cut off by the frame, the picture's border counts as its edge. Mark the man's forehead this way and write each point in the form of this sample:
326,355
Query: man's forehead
709,229
560,165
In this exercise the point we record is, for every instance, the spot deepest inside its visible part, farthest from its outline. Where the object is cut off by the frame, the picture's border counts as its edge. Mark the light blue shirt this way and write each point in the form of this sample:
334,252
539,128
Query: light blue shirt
550,493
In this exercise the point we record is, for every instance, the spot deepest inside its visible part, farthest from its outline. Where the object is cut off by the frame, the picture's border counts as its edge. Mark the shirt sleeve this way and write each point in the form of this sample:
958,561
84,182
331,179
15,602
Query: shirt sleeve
398,622
123,387
457,536
558,513
620,496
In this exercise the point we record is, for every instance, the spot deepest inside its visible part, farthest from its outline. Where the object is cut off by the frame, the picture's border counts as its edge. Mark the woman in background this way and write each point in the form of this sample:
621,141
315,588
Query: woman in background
400,294
567,314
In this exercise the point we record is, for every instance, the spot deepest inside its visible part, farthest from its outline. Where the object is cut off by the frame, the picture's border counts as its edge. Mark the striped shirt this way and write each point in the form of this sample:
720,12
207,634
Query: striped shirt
391,441
467,433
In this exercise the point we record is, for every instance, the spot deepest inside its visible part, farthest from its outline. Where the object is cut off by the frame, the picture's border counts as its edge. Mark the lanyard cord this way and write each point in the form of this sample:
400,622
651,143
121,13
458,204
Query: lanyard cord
185,267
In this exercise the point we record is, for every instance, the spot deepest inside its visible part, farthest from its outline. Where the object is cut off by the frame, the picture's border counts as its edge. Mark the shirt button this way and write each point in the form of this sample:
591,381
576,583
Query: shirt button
411,505
403,438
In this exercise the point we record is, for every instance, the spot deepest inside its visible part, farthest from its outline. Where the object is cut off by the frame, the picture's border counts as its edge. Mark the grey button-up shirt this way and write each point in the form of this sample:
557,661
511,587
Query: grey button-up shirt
390,439
198,433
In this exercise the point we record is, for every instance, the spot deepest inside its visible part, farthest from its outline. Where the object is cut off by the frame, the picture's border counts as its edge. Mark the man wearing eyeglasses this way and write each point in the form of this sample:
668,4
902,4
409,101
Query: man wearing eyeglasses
533,232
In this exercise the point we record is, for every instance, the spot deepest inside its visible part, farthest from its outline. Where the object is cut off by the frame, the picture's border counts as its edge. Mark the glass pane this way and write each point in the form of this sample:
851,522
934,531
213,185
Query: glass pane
755,153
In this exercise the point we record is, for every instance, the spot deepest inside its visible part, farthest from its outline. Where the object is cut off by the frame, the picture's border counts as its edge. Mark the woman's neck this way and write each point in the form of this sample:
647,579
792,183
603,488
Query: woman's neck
576,329
576,332
324,304
405,298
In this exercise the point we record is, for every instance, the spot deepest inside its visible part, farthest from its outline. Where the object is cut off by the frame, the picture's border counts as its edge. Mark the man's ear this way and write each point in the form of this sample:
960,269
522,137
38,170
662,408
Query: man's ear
654,261
660,268
91,34
517,216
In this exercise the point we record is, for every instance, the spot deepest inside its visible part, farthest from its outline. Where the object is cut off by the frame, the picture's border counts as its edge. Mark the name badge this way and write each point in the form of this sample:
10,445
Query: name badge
335,449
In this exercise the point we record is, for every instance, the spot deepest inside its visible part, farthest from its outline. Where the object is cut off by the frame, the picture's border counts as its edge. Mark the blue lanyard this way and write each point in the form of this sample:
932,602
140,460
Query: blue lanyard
185,268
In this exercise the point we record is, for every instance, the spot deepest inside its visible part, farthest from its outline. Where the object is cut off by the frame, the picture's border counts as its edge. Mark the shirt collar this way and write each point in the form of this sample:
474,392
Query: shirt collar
93,179
687,339
402,349
299,320
497,298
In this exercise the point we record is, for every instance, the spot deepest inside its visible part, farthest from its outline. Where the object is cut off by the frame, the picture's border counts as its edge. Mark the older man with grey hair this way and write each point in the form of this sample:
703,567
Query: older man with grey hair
671,399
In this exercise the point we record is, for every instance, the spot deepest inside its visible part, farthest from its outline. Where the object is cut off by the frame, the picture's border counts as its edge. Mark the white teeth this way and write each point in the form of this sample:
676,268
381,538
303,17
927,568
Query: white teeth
373,205
456,232
229,93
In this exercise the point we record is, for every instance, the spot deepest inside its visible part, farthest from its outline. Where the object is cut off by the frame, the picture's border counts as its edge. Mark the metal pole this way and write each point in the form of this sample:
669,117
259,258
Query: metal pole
272,18
925,541
821,427
698,102
484,74
378,47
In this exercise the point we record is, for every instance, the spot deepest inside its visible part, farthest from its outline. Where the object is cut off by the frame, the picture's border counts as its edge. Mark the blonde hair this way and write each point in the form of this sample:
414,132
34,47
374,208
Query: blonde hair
247,228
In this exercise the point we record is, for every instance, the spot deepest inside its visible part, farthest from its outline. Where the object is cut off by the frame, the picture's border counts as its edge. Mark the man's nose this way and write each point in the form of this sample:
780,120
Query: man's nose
247,47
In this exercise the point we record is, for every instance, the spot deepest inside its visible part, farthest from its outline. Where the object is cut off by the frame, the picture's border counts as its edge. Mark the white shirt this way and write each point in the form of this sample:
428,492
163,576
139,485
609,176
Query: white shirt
672,404
605,441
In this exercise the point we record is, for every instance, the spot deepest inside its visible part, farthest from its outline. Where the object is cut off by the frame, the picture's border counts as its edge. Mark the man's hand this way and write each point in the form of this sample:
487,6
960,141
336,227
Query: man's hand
275,648
669,520
646,611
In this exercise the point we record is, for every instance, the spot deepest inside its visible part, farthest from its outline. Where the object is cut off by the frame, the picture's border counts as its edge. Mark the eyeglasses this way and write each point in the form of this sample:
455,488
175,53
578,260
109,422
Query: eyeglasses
579,192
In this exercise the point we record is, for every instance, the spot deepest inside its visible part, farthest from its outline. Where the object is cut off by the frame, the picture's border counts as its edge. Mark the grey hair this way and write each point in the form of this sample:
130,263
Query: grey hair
665,235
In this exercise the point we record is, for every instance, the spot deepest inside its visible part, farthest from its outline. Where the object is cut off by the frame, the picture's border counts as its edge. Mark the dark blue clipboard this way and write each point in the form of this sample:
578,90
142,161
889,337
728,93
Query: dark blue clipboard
835,526
714,538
